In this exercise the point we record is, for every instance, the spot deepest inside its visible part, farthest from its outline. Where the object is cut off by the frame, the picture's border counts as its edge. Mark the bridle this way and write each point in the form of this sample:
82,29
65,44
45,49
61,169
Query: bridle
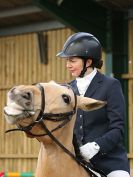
65,118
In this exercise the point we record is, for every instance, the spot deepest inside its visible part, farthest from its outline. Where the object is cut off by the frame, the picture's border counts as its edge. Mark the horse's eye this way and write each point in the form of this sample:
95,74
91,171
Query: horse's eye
66,98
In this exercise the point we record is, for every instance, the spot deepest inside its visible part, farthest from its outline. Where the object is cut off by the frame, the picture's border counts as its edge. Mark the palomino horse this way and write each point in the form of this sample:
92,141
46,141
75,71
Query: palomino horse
47,112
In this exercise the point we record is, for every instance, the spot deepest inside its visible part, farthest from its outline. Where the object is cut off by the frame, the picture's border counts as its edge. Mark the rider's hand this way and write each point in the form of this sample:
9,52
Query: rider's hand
89,150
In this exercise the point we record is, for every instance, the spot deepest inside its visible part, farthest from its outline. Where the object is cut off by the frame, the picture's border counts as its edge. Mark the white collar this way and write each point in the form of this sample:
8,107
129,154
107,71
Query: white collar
83,83
88,76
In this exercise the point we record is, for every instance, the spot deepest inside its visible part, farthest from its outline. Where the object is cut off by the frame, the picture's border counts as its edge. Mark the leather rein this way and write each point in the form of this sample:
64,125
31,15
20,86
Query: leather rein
65,118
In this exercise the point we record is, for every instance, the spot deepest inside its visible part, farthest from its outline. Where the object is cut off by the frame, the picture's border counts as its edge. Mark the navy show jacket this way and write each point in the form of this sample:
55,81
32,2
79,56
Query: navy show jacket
105,126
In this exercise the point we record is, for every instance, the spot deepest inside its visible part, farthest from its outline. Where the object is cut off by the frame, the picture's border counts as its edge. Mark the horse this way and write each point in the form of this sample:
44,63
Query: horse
47,112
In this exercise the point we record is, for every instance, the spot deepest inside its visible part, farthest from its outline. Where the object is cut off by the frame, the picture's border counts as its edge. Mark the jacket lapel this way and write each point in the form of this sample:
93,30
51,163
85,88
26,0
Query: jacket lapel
95,83
74,86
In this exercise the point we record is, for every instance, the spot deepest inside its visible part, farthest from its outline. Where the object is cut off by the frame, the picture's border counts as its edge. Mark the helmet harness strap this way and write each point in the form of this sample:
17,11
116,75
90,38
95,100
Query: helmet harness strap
84,68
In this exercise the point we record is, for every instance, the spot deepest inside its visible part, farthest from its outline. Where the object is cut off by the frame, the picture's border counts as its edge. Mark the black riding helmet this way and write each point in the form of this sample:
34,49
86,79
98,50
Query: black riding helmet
83,45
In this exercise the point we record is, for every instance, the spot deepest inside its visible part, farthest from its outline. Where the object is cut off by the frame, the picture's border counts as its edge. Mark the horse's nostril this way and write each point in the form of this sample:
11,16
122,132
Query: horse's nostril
27,95
11,93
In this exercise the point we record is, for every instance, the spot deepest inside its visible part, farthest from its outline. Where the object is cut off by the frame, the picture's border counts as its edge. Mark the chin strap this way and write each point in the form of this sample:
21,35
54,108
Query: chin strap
84,68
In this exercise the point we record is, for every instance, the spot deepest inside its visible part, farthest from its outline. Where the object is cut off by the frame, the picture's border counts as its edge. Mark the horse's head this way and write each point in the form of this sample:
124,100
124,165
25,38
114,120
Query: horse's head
33,104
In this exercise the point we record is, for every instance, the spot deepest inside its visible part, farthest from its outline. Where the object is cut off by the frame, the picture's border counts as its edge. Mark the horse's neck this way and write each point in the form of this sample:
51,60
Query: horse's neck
54,162
50,162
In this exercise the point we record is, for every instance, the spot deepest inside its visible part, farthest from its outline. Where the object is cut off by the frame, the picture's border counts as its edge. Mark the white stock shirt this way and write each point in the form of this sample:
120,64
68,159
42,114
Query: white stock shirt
83,83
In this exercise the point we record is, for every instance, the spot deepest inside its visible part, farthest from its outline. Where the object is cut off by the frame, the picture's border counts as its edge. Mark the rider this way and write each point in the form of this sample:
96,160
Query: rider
99,133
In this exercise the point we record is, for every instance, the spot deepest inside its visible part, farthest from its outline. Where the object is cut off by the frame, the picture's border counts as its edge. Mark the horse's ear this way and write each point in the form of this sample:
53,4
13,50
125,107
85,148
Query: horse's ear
89,104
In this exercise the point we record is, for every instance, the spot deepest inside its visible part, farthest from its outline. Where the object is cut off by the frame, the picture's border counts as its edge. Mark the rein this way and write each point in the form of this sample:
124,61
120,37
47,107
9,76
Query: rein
65,117
86,165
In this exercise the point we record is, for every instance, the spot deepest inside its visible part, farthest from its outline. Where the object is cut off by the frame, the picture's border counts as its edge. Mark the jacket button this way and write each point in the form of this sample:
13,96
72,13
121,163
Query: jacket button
103,153
81,116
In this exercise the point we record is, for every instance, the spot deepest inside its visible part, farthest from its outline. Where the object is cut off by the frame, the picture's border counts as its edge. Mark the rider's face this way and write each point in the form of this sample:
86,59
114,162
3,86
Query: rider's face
75,65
